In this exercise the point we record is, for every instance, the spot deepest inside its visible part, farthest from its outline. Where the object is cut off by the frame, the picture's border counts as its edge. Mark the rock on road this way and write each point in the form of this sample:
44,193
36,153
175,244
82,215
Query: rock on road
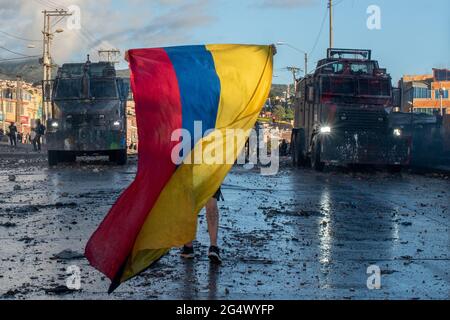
296,235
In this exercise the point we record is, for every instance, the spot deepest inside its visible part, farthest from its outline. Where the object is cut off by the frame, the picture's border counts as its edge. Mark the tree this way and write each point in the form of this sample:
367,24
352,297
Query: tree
279,112
289,114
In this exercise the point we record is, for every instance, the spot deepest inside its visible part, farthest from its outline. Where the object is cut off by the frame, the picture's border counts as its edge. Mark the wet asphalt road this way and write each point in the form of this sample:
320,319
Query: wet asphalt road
297,235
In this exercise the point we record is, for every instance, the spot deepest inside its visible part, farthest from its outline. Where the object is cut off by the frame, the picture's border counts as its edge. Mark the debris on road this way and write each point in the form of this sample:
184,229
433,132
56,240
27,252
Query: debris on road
68,255
60,290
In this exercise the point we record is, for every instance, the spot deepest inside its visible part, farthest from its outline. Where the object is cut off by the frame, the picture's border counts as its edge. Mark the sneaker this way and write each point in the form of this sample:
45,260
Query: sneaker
187,252
214,255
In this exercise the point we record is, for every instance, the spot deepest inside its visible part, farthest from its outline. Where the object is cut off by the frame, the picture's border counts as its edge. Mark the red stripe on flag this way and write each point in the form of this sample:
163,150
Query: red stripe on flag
159,113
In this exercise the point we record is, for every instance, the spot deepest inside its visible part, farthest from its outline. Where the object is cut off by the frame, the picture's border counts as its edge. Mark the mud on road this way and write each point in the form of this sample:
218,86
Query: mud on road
296,235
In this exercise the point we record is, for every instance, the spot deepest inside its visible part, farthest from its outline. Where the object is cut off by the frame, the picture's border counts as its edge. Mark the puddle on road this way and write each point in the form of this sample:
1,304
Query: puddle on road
299,234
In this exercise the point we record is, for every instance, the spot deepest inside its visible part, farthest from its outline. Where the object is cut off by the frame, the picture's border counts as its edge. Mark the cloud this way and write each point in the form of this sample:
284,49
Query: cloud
168,27
105,23
286,4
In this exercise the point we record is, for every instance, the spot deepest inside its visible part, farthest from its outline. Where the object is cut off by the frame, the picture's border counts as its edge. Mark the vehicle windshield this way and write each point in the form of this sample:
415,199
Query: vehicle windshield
356,68
98,88
68,89
101,88
360,87
361,68
343,86
337,67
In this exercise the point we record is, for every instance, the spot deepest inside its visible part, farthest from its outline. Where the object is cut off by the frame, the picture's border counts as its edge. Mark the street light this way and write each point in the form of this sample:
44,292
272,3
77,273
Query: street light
281,43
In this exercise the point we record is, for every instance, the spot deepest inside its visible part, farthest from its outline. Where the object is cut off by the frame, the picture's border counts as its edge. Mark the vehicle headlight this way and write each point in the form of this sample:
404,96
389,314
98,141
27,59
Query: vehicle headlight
55,124
325,130
398,132
116,123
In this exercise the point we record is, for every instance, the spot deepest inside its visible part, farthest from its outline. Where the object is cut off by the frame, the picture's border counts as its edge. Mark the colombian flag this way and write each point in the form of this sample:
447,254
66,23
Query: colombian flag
223,87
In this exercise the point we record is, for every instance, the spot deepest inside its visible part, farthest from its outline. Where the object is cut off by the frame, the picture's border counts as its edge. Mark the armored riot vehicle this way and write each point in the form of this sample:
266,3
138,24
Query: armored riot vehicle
88,113
341,114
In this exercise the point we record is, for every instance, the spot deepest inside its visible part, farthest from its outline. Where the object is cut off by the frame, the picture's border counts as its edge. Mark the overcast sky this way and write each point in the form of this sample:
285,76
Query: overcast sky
414,34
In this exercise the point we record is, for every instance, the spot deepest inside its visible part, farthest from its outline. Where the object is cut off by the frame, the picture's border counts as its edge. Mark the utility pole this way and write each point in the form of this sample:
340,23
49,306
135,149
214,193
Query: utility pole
18,109
306,64
3,110
47,60
330,7
294,71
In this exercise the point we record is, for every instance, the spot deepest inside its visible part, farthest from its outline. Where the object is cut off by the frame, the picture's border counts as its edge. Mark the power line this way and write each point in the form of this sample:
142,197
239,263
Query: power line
338,3
46,4
320,32
19,38
13,52
56,22
83,32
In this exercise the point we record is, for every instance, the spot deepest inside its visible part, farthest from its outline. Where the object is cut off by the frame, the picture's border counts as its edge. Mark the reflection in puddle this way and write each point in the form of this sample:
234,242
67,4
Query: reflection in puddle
326,238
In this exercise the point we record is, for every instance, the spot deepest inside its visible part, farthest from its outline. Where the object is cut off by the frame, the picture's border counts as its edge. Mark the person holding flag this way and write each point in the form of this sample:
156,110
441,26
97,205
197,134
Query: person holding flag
222,86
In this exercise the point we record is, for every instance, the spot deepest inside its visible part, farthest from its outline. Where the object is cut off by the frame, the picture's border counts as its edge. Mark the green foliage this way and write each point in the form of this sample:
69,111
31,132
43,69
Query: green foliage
289,114
279,112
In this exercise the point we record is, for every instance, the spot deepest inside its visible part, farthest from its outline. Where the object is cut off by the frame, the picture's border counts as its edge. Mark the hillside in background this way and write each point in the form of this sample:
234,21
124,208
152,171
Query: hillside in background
31,71
277,90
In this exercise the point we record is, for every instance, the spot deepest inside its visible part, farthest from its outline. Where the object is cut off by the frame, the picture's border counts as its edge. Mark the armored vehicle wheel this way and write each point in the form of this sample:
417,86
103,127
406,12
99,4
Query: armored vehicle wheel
119,157
294,149
52,158
67,157
316,164
394,169
298,148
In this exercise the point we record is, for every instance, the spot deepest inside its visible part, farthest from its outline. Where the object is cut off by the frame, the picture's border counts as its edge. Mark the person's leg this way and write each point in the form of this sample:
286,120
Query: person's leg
39,142
212,217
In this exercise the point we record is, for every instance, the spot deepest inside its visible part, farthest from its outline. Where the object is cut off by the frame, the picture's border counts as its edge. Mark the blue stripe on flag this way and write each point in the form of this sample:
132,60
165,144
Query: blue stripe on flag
199,87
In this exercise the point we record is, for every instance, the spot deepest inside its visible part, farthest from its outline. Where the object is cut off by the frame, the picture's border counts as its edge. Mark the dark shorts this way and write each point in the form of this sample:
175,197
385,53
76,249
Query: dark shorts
218,195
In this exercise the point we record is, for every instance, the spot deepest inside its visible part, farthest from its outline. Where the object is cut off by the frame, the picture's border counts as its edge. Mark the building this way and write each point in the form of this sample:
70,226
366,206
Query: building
426,93
20,102
132,132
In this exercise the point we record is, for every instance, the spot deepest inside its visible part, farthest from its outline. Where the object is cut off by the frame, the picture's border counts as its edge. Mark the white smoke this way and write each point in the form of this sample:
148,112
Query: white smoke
105,24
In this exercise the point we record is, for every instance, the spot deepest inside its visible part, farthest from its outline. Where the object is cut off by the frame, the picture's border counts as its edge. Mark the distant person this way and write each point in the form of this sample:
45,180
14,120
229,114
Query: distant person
32,136
284,148
19,137
13,134
39,131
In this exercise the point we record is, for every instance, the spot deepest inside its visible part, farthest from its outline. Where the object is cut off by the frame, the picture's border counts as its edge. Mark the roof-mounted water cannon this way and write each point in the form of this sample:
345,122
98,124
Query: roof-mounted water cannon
356,54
